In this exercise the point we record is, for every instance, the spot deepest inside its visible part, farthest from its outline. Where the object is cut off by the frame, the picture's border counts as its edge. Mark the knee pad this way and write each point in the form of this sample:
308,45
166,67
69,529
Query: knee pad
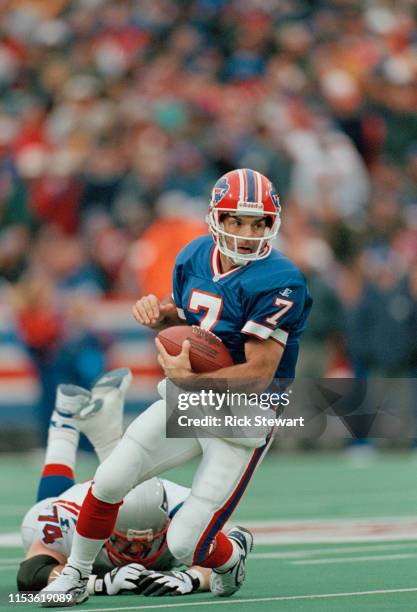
109,485
187,527
119,473
181,544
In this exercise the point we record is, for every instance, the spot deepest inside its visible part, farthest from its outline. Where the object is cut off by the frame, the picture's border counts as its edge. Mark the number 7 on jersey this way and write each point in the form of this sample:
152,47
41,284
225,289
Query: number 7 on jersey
211,303
284,306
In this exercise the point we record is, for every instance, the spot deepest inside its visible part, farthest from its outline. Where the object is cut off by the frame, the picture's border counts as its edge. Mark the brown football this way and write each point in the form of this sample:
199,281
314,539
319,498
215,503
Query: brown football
207,351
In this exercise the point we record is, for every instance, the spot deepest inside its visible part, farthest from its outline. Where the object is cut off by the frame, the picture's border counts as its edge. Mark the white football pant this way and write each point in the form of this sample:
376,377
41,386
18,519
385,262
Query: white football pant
218,485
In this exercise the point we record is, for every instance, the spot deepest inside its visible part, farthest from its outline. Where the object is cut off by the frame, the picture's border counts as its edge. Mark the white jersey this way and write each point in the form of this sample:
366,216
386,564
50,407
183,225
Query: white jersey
52,521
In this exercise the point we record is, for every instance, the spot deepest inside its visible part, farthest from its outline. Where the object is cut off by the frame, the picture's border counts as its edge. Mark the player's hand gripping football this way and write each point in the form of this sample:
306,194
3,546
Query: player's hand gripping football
149,311
175,368
120,579
156,584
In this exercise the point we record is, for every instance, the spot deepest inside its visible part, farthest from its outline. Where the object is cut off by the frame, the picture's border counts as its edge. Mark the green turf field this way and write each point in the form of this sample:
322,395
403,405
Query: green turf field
330,535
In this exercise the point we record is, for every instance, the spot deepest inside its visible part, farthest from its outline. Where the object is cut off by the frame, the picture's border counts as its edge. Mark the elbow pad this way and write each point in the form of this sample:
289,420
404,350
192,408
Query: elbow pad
33,574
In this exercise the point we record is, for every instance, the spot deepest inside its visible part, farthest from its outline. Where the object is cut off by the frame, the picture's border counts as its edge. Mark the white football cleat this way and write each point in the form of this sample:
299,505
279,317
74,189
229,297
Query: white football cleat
70,402
102,419
115,379
225,583
67,590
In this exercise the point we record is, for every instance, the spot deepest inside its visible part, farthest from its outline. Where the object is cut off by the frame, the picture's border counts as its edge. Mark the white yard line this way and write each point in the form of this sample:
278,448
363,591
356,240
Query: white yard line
299,554
319,521
355,559
230,602
10,540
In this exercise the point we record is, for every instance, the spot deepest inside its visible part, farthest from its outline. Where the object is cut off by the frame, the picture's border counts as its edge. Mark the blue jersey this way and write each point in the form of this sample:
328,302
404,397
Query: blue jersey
264,299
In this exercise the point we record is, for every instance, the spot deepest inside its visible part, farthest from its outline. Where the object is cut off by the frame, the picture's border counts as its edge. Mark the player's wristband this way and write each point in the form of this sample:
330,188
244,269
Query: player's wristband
96,586
196,578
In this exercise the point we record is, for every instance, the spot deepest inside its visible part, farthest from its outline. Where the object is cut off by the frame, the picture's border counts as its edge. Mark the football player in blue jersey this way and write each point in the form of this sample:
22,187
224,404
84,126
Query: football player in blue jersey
255,299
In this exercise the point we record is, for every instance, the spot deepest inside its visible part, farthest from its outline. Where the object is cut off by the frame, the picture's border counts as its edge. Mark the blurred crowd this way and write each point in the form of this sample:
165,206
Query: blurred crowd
117,116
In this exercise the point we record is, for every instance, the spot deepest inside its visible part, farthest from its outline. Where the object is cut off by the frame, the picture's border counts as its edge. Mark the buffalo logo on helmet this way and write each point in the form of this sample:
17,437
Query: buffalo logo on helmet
220,189
274,197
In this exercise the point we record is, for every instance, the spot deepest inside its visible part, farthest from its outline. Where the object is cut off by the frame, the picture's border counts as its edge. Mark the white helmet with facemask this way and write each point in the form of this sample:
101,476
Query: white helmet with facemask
140,532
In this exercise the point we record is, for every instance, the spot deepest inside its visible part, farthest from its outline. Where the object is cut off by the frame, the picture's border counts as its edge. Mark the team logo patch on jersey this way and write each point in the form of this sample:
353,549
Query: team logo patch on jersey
220,189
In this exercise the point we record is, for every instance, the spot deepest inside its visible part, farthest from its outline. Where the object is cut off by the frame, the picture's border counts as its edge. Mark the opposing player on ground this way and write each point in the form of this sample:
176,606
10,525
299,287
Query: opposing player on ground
236,285
138,543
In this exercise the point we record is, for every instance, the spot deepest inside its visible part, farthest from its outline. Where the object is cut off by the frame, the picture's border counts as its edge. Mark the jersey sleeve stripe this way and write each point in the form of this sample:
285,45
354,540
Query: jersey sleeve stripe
175,510
278,342
68,503
261,331
181,313
68,508
280,336
256,329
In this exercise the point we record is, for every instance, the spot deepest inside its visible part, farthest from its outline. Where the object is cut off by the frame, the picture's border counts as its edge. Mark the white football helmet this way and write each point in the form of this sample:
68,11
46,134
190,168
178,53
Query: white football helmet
141,526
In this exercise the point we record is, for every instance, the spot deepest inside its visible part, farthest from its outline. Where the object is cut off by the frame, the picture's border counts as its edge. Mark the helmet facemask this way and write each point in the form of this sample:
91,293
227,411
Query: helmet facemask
215,223
140,531
148,547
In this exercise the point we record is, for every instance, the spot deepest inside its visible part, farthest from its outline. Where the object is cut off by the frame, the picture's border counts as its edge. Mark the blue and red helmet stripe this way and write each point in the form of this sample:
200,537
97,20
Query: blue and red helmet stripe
251,186
245,185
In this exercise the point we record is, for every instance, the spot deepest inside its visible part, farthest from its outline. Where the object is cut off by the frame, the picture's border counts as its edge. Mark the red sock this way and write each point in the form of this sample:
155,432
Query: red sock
97,518
55,479
57,469
221,553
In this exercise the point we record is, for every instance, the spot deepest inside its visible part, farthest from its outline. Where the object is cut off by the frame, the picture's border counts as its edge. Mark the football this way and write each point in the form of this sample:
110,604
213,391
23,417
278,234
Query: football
207,351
